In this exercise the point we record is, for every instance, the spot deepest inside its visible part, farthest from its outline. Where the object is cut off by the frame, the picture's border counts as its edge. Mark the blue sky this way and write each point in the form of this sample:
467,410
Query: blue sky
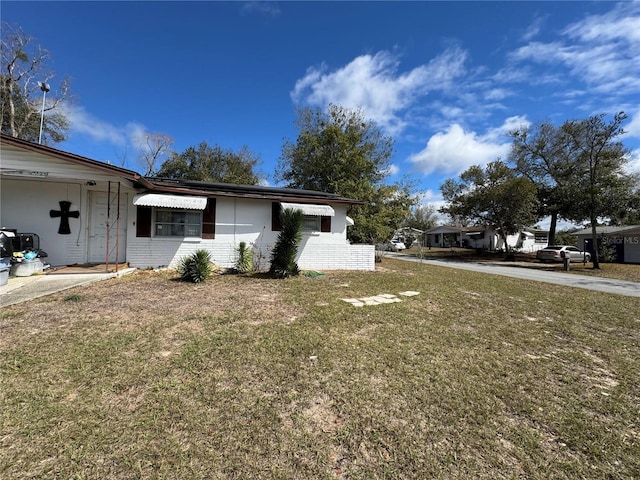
447,80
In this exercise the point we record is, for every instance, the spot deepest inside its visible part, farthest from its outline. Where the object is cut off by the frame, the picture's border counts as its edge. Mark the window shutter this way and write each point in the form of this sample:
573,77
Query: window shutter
143,222
209,219
325,224
276,225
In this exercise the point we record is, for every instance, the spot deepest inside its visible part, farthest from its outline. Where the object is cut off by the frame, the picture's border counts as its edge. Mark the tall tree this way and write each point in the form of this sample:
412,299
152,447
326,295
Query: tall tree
495,196
421,217
544,154
24,81
339,151
600,183
213,164
154,147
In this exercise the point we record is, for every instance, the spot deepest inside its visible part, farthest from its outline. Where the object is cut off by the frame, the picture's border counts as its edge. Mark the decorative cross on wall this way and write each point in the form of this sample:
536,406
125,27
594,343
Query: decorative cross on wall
64,213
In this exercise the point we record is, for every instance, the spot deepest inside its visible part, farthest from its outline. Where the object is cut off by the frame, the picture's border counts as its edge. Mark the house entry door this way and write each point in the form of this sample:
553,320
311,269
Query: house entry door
106,231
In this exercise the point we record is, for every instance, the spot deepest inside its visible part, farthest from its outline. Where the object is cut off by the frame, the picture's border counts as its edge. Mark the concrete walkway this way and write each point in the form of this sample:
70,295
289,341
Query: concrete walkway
607,285
22,289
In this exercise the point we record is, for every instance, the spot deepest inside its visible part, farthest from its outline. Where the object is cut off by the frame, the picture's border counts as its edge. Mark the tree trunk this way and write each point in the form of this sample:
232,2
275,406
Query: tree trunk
552,229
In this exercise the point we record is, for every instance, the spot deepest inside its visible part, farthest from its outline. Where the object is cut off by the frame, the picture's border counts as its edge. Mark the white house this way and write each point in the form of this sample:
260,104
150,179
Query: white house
527,240
625,240
84,211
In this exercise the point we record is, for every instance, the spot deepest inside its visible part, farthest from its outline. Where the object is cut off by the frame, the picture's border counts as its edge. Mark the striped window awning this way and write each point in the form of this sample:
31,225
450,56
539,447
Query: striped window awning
310,209
170,201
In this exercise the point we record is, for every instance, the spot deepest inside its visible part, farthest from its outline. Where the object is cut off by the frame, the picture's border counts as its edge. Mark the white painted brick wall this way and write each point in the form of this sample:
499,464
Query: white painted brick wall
250,221
153,253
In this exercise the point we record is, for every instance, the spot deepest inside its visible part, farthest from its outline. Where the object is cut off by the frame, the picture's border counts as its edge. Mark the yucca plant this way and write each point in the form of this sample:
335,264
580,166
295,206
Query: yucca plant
283,255
244,263
196,267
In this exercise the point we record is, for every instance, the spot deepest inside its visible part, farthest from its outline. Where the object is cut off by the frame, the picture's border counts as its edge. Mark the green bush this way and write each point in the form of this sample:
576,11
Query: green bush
196,267
283,256
244,263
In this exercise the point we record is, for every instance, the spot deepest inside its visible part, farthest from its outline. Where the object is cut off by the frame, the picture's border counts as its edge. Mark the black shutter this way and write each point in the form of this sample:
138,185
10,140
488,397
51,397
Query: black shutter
143,222
325,224
276,224
209,219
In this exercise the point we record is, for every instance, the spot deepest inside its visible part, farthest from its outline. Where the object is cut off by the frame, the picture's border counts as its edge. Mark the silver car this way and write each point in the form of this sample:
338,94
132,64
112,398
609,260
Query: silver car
557,253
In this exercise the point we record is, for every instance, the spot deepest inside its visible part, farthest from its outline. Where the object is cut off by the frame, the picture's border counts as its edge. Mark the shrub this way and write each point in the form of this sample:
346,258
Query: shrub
283,256
244,263
606,252
196,267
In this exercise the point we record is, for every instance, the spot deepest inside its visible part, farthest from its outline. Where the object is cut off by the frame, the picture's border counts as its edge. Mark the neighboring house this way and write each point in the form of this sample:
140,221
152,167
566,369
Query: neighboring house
405,233
86,211
527,240
625,240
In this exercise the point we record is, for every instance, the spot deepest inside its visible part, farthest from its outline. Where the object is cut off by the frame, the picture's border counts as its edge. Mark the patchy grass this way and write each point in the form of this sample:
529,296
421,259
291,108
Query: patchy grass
247,377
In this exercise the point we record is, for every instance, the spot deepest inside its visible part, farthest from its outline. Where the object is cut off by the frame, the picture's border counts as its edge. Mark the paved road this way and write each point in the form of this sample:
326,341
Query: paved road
620,287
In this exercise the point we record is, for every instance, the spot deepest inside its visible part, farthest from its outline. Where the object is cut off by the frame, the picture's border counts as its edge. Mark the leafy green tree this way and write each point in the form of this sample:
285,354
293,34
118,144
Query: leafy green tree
340,152
283,255
544,154
212,164
627,211
23,70
496,197
566,237
600,183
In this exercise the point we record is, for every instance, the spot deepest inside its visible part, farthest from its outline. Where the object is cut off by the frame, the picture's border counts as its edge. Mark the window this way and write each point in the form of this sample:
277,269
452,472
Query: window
173,222
541,238
310,223
177,223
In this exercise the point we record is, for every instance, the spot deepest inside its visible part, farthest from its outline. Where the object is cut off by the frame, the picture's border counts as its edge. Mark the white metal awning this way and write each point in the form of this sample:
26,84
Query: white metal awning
170,201
350,221
310,209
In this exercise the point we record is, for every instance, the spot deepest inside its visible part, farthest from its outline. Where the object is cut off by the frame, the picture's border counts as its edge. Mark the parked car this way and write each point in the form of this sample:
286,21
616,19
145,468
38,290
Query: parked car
557,253
398,246
392,246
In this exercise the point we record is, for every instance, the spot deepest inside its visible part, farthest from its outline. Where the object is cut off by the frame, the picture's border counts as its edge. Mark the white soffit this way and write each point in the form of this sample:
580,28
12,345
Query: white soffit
310,209
170,201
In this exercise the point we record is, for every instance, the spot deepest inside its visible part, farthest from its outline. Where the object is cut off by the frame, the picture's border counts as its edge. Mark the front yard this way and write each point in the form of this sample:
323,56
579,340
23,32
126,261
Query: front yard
246,377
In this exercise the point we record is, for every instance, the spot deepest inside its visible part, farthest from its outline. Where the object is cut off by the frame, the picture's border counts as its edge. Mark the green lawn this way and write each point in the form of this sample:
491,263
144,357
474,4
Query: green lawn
245,377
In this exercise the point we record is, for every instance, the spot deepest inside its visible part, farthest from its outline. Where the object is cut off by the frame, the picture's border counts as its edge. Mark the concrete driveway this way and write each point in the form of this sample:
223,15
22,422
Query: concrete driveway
22,289
607,285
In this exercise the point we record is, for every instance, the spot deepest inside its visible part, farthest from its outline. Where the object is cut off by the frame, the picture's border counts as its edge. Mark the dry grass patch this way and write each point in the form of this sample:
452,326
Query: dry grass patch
246,377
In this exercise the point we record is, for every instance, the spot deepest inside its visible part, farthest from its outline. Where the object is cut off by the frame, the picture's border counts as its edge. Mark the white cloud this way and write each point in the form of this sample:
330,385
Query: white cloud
623,22
632,130
633,164
85,123
455,150
132,135
372,83
633,127
269,9
393,170
600,50
534,29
